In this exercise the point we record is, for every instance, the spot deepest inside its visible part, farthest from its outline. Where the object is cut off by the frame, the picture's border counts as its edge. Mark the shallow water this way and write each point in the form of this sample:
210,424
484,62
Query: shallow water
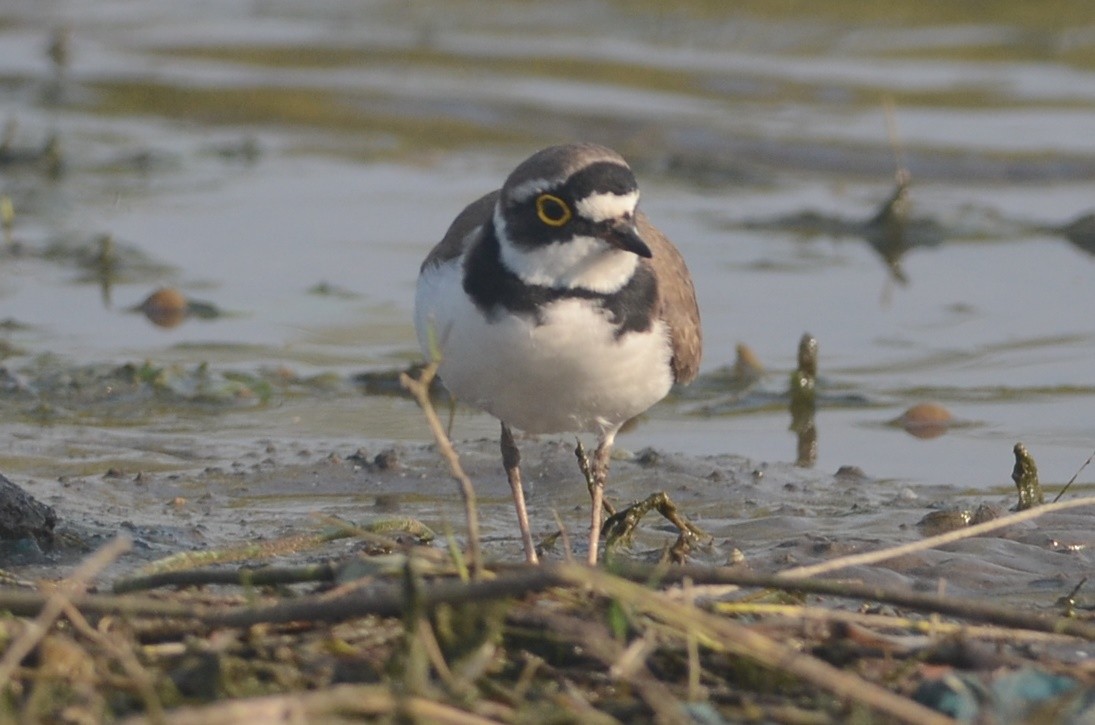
291,165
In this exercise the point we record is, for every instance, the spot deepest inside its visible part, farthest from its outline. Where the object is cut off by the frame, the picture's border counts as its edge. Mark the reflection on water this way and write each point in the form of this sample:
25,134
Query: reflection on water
253,155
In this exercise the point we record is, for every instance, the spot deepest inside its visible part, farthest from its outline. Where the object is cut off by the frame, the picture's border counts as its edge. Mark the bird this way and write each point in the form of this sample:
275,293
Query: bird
556,306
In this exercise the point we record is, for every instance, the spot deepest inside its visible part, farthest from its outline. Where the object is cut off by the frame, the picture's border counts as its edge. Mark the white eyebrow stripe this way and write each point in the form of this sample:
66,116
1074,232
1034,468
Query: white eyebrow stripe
600,207
528,189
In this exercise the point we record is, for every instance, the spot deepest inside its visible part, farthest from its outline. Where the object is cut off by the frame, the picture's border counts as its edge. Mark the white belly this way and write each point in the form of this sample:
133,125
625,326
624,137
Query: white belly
568,374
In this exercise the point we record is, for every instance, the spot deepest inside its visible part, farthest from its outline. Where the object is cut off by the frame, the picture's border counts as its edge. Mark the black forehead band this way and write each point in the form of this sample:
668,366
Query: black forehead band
601,177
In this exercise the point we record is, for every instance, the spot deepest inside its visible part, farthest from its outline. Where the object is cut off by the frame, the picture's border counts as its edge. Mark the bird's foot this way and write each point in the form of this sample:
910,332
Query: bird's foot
620,527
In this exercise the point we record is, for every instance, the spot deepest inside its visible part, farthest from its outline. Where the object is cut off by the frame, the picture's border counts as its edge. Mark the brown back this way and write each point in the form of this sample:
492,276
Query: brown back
456,238
677,301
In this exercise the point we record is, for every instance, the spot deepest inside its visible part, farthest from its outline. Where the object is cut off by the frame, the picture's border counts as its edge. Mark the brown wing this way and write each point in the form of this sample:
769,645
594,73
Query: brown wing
677,301
452,244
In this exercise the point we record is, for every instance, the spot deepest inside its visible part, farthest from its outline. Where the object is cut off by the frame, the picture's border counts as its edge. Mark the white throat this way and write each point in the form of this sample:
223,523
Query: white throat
577,263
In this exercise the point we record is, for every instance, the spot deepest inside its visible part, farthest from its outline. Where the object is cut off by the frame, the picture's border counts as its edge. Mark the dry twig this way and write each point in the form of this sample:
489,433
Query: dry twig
873,557
55,603
720,633
420,389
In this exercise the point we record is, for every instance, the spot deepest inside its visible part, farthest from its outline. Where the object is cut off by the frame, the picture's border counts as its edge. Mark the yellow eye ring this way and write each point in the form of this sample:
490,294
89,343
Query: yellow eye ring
552,210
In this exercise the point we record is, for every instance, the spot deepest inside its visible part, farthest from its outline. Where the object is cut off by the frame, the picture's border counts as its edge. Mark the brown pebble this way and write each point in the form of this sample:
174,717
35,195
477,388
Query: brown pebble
179,501
166,307
925,420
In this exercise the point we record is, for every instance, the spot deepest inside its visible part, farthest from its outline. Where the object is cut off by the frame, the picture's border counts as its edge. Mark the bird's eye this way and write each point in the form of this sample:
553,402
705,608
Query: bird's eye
552,210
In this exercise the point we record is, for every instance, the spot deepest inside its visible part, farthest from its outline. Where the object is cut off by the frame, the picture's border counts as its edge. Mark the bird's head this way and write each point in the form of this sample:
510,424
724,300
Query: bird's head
566,218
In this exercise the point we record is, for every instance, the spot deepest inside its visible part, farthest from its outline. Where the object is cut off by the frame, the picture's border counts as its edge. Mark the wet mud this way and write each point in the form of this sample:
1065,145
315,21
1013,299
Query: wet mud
770,517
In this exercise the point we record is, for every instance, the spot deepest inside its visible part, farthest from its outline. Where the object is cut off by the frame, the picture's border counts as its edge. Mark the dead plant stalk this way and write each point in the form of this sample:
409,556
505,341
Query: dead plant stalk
732,637
57,601
420,389
873,557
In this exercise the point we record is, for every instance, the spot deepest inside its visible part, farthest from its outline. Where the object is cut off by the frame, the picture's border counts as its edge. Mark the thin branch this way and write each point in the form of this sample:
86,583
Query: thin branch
124,654
974,609
389,599
420,389
65,592
873,557
796,614
719,632
243,576
1074,477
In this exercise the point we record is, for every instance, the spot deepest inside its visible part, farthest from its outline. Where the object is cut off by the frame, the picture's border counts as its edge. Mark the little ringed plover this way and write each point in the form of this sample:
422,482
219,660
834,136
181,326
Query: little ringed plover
557,306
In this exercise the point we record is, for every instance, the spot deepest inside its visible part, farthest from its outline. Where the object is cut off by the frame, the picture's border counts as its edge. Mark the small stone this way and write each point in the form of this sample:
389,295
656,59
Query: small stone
925,420
166,307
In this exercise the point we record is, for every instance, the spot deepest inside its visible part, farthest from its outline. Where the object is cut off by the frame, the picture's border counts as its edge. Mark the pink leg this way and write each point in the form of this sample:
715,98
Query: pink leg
597,493
511,459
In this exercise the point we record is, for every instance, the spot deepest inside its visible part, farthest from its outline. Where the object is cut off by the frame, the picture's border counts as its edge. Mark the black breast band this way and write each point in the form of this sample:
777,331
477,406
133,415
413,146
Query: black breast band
495,289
